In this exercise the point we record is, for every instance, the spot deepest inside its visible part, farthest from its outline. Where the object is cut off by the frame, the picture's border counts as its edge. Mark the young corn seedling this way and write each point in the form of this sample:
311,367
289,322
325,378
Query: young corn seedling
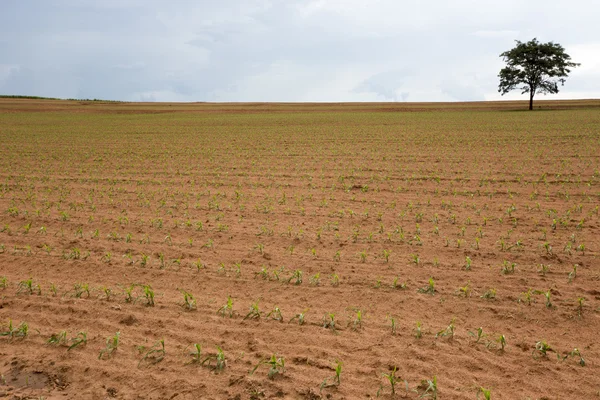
28,287
363,256
149,294
573,353
219,359
154,355
478,334
508,268
541,349
275,314
580,301
335,280
501,340
464,291
58,339
357,323
299,317
573,273
277,366
297,276
227,309
392,379
489,294
547,294
79,289
335,381
447,332
386,255
329,321
79,340
255,312
429,289
543,270
430,388
398,285
418,331
196,354
189,302
486,393
112,343
393,323
20,331
415,259
3,282
468,263
315,280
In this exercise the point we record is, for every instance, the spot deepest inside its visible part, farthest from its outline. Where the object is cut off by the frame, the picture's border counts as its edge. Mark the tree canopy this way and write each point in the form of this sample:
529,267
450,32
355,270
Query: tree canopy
534,67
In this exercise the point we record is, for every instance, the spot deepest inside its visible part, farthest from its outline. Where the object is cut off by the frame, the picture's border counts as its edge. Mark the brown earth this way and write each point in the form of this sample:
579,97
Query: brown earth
239,199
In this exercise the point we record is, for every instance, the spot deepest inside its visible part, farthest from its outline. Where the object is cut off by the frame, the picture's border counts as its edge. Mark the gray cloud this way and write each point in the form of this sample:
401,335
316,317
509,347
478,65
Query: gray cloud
297,50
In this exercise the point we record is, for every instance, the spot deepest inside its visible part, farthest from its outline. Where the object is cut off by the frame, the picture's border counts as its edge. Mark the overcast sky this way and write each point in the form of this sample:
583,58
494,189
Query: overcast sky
287,50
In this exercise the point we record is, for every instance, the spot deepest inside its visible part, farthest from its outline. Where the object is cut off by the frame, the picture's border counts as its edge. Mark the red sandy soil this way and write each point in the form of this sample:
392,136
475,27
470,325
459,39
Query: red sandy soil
292,202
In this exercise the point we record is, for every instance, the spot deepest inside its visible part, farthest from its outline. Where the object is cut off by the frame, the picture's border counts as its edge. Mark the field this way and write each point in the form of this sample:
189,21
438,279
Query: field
304,251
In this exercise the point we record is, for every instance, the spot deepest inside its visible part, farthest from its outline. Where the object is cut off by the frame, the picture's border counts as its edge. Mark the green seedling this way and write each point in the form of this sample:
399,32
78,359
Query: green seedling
20,331
155,354
189,302
227,308
574,353
3,282
255,312
429,289
28,287
335,381
58,339
315,280
468,263
275,314
297,276
299,317
357,323
112,343
363,256
335,280
277,366
573,273
526,297
489,294
547,294
478,334
329,321
508,268
264,273
415,259
196,354
486,393
79,340
149,295
396,284
392,379
430,387
501,341
448,331
418,330
464,291
393,323
219,359
80,288
386,255
129,294
580,301
541,349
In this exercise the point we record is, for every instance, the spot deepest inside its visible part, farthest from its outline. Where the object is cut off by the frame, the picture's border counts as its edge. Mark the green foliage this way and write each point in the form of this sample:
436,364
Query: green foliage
534,67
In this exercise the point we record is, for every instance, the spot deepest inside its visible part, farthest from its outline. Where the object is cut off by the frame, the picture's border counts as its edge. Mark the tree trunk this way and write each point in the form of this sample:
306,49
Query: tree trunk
531,100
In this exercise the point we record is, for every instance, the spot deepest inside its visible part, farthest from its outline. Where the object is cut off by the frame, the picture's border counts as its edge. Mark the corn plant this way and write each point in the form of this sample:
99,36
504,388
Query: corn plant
508,268
478,334
58,339
196,354
573,273
335,280
112,343
573,353
329,321
543,270
501,340
448,331
219,359
392,379
79,340
541,349
418,331
415,259
489,294
357,323
386,255
430,388
227,308
149,295
315,280
398,285
393,323
547,294
28,287
275,314
296,277
276,366
429,289
468,263
363,256
299,317
20,331
335,381
189,302
486,393
464,291
80,288
154,354
255,312
3,282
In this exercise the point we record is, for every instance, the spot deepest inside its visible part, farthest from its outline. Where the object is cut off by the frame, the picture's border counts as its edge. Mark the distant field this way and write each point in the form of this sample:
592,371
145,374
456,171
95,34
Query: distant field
381,236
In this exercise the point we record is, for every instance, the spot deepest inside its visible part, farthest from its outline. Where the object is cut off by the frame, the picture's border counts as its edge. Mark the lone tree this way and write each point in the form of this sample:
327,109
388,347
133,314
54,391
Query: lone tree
534,67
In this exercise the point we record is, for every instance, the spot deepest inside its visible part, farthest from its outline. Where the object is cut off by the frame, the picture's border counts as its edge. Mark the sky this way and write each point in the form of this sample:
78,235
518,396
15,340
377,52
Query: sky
287,50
